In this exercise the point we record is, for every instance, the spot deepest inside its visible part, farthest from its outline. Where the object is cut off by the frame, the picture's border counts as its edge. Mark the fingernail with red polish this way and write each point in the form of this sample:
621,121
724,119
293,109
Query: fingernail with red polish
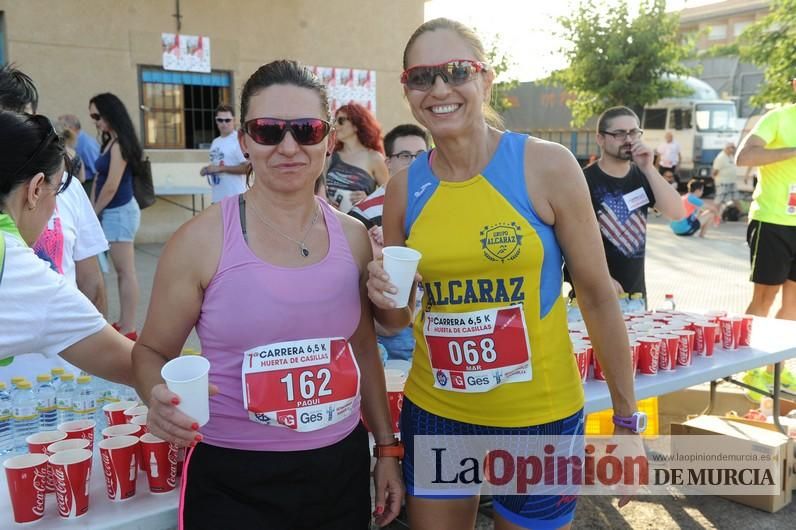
198,437
175,401
195,426
379,510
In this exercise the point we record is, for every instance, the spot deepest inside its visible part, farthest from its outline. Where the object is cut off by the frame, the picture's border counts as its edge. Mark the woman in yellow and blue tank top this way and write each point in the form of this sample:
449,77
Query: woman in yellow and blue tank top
492,213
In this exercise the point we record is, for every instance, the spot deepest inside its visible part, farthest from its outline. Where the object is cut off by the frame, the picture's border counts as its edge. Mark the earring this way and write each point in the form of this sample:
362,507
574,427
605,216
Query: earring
245,155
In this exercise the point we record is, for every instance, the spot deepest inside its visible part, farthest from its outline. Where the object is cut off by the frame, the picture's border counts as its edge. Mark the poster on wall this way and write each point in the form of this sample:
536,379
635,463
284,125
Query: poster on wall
185,53
348,84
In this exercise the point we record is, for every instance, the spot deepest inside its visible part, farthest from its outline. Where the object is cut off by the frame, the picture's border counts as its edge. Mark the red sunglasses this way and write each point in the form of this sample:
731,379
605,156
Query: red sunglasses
271,131
454,72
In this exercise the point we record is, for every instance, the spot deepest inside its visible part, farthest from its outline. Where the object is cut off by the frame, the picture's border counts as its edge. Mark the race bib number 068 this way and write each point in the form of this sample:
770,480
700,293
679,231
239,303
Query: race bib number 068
303,385
478,351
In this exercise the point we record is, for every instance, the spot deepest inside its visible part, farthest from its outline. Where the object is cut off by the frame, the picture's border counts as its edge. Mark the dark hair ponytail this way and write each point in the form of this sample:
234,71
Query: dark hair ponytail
28,146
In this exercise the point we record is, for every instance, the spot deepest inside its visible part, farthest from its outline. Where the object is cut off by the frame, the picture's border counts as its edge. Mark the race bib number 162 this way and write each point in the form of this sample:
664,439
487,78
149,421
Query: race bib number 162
303,385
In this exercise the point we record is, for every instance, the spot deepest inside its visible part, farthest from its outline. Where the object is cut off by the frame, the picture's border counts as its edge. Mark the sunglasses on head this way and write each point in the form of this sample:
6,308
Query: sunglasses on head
454,72
51,136
271,131
223,120
95,116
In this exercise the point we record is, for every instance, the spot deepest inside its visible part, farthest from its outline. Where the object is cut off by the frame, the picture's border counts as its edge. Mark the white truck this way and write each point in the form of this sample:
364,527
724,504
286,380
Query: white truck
701,123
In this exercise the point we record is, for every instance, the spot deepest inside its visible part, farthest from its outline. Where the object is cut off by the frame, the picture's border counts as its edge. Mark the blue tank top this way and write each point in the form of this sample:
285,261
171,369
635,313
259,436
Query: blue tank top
125,191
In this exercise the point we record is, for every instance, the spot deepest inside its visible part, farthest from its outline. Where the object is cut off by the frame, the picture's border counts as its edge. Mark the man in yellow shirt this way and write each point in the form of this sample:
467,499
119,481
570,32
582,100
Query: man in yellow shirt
771,145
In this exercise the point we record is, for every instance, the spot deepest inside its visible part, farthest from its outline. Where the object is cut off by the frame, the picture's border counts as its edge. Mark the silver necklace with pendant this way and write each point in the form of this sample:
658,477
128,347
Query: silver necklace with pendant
303,250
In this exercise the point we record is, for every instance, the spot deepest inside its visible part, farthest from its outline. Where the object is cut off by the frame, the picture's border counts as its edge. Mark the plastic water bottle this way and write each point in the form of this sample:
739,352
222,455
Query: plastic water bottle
46,403
637,302
573,312
84,403
24,415
668,303
15,381
56,374
64,396
624,302
127,393
6,426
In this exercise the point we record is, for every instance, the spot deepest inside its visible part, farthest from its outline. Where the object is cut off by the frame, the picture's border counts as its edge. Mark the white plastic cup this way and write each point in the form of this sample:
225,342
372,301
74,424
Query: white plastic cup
343,198
186,376
401,264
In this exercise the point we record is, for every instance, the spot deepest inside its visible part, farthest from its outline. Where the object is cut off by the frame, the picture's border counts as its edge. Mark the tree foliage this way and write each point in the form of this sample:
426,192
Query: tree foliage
770,43
501,63
618,59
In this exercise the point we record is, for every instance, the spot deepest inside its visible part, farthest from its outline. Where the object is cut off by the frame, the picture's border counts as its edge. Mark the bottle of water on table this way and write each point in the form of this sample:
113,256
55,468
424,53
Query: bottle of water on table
64,397
25,415
6,425
46,402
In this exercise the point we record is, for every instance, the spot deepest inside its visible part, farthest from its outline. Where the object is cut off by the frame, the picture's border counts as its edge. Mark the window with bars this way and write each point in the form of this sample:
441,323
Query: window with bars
178,107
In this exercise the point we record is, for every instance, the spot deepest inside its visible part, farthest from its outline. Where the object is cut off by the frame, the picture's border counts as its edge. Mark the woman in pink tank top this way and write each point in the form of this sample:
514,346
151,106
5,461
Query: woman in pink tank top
273,281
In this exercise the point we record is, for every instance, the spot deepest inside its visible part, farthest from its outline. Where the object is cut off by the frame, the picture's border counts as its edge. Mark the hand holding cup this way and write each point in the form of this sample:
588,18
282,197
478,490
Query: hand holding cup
166,421
393,278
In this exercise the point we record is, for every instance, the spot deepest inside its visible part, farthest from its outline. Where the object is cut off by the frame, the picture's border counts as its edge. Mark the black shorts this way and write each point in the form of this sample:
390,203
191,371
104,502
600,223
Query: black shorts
772,252
323,489
693,226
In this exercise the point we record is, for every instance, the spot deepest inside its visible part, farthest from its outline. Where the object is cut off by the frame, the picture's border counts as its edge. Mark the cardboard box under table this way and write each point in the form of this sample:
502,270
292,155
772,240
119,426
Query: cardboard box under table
753,439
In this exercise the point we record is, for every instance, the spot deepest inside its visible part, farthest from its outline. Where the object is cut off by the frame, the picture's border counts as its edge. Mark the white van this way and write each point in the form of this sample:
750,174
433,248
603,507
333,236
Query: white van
701,124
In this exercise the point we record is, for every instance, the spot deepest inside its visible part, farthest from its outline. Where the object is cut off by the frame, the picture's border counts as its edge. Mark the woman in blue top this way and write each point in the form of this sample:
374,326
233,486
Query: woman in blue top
113,198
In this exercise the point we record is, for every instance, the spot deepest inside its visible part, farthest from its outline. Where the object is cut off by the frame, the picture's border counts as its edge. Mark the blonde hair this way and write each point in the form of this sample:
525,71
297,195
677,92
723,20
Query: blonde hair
473,41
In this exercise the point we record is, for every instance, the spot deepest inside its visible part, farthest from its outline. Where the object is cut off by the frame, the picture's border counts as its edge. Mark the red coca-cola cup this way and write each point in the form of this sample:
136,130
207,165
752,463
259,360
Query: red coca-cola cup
746,330
160,462
736,331
699,337
72,472
685,346
394,380
582,359
119,456
26,476
114,412
124,429
141,421
667,355
727,333
648,351
38,443
79,429
135,411
67,445
709,331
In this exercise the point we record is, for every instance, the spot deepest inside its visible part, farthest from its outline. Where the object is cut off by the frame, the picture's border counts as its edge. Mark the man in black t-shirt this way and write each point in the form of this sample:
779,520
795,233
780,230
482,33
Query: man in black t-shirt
623,185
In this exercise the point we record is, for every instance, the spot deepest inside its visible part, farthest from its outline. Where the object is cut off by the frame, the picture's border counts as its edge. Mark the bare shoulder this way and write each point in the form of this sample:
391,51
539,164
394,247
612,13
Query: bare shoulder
397,185
375,156
357,236
551,163
552,176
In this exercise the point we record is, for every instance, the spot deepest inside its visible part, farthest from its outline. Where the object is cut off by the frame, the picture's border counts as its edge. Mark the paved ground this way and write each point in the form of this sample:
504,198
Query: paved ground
710,273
